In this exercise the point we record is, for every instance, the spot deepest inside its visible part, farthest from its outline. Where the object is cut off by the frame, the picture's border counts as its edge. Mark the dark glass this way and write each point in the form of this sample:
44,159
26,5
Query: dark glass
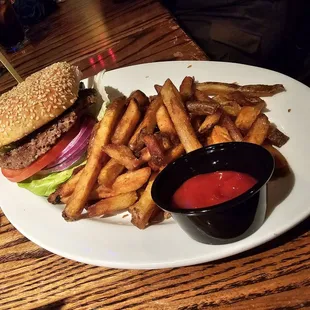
12,32
229,221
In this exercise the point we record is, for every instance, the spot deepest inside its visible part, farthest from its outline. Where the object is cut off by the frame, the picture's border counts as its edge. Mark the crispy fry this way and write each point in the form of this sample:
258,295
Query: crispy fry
247,116
123,155
164,123
147,125
261,90
125,183
229,106
232,109
201,96
222,99
201,107
237,97
219,135
234,132
196,121
164,143
174,105
164,140
243,99
280,161
65,189
92,168
110,172
174,154
215,88
259,130
277,137
141,99
158,88
145,155
112,205
142,210
170,156
210,121
155,150
127,124
187,88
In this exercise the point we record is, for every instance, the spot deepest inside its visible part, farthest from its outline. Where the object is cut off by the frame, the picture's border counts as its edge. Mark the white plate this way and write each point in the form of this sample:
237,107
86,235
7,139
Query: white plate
114,242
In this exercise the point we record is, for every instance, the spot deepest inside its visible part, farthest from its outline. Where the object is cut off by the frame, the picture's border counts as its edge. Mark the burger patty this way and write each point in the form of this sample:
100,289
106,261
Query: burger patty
29,152
41,141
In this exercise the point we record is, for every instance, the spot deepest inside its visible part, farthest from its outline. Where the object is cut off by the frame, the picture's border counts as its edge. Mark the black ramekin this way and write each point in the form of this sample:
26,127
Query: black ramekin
229,221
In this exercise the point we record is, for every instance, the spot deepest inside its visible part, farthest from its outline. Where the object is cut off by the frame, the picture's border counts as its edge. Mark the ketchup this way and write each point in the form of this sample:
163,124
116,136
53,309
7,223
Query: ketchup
210,189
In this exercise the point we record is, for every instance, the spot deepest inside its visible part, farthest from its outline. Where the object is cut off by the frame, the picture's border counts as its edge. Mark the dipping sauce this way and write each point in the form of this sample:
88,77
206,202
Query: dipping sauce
210,189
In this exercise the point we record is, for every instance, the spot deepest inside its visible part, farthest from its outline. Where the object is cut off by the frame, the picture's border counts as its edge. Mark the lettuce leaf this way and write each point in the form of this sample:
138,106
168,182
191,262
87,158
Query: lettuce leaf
46,185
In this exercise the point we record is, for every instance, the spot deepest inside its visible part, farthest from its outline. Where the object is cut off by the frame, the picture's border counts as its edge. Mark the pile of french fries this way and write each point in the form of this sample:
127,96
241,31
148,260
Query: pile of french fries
140,135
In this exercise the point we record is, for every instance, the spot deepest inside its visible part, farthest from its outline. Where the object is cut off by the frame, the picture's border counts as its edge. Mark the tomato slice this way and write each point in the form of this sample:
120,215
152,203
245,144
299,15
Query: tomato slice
18,175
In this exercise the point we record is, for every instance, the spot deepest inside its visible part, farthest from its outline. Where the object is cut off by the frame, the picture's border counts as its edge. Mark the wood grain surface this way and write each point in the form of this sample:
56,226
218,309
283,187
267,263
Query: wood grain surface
273,276
105,34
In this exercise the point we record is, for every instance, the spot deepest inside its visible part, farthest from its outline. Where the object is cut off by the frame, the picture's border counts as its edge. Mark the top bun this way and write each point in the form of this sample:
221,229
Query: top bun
38,100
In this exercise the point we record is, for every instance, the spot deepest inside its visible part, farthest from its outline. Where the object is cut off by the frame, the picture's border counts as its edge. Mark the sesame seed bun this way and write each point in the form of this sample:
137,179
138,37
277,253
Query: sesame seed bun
38,100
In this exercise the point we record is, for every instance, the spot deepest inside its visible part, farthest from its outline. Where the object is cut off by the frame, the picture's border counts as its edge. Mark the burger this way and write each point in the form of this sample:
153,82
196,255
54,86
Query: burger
45,126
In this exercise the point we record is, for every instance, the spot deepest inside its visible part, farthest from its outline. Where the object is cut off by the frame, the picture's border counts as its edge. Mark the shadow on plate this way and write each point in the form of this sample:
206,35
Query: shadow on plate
279,189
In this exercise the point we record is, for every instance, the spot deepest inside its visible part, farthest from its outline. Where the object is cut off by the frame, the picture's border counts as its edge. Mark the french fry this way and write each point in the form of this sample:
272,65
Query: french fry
247,116
164,140
123,155
145,155
158,88
141,99
173,154
93,166
232,109
126,151
110,172
243,99
280,161
215,88
64,190
259,130
261,90
147,125
112,205
202,107
164,123
143,209
277,137
125,183
182,125
201,96
219,135
187,88
164,143
210,121
196,121
127,124
234,132
170,156
155,150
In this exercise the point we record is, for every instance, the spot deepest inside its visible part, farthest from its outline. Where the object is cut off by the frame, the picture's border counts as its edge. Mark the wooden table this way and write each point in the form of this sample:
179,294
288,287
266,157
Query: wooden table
98,34
103,34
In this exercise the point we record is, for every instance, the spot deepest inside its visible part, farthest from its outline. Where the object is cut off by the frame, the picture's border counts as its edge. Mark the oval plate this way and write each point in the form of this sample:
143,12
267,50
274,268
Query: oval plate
114,242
